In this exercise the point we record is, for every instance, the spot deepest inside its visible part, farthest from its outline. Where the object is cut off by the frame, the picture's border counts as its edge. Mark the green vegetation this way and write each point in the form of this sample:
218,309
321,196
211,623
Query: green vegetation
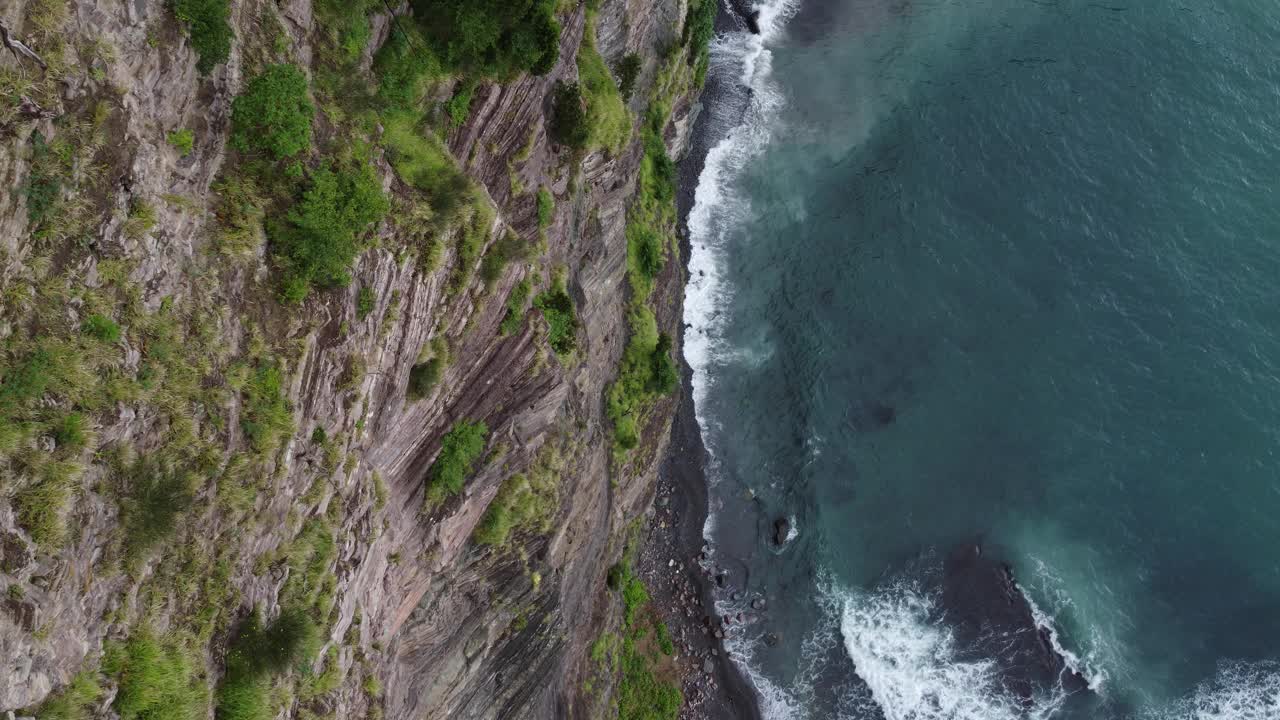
645,689
459,106
546,208
562,321
607,120
427,372
157,678
509,248
699,28
101,328
320,239
211,36
524,502
41,505
258,653
76,701
495,38
422,161
43,184
273,114
459,450
403,70
183,140
71,432
516,304
628,71
647,371
154,492
569,123
365,300
265,416
142,217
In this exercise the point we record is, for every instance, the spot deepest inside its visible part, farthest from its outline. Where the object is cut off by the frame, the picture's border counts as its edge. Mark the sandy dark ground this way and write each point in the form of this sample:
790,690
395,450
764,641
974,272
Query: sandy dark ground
680,588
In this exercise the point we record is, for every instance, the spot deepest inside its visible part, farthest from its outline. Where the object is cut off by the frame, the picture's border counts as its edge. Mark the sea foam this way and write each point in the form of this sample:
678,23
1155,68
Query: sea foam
910,661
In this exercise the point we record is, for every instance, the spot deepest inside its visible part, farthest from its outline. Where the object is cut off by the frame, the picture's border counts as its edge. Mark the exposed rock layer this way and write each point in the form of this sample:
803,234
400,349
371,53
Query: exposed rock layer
431,614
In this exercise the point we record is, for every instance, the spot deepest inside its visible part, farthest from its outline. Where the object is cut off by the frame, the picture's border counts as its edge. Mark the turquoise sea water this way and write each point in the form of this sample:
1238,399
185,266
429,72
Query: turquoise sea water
1001,272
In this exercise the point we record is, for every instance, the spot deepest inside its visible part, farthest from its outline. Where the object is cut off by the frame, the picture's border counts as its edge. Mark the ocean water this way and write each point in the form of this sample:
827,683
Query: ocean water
996,273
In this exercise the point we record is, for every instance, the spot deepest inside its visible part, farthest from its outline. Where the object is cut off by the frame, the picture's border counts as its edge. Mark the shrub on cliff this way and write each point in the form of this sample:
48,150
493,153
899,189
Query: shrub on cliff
568,119
628,71
211,36
459,450
647,372
562,322
498,38
321,237
273,114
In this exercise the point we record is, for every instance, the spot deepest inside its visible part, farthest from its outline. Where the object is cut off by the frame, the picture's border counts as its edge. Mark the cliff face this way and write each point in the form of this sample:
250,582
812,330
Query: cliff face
446,626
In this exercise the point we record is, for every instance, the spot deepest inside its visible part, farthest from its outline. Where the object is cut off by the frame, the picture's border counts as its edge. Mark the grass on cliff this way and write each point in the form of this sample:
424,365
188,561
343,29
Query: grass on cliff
265,416
158,677
517,304
154,494
647,370
259,652
76,701
607,119
459,450
432,362
525,501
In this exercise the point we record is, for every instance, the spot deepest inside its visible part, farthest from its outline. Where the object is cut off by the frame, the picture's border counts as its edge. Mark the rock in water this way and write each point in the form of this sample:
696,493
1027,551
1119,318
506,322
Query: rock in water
781,528
992,619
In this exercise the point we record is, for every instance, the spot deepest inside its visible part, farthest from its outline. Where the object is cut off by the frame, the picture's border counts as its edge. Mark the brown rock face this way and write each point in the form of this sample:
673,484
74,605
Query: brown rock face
449,628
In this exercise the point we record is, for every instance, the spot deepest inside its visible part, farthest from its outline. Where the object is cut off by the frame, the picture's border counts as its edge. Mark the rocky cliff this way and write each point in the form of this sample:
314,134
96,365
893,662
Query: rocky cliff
181,447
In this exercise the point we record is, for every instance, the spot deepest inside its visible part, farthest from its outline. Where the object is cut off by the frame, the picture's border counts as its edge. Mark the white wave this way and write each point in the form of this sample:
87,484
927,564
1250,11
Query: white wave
1239,692
910,661
716,208
1091,666
793,530
1095,678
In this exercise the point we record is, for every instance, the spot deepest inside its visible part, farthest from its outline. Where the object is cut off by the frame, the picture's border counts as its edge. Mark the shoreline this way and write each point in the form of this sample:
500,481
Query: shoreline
670,558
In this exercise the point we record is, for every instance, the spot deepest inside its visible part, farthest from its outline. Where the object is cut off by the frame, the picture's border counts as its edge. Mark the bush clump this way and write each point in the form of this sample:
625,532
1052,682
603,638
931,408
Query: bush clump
516,302
402,69
496,38
74,702
569,125
546,208
461,447
562,321
273,114
647,371
319,241
365,300
211,35
628,71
